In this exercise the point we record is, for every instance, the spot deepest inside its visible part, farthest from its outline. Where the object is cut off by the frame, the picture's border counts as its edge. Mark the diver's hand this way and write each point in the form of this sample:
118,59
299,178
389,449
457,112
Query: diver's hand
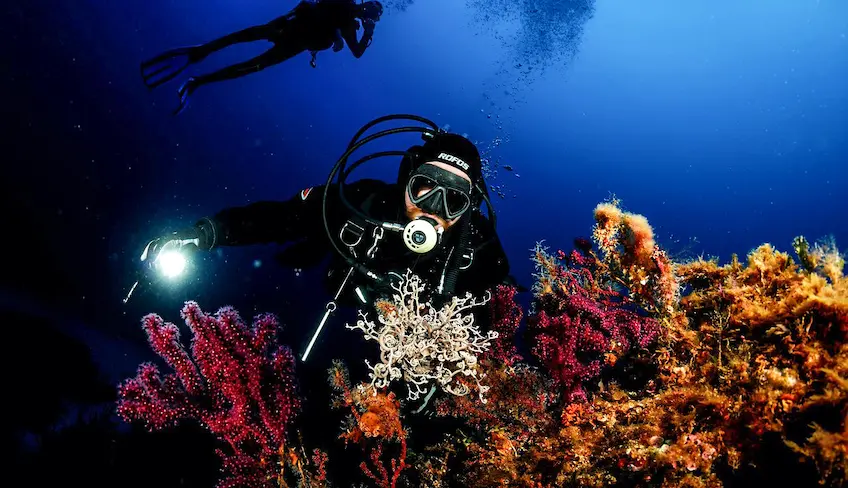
203,235
177,241
169,255
368,24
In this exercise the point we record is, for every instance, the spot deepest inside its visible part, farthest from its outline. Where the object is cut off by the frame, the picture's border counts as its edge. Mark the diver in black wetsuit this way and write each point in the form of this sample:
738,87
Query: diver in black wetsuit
309,26
430,222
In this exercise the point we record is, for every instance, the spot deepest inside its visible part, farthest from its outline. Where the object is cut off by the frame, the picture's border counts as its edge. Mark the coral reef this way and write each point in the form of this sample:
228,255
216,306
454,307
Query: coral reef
629,369
750,360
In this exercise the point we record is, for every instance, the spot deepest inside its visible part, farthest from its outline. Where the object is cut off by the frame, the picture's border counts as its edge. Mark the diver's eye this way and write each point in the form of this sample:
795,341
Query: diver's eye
419,185
457,201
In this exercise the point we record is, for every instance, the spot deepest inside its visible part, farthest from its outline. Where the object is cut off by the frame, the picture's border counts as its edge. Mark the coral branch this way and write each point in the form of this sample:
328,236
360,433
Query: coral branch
236,383
507,316
582,324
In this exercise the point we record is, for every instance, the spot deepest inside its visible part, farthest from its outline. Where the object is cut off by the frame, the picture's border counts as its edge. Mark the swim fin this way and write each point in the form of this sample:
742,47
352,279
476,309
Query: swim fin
168,65
185,91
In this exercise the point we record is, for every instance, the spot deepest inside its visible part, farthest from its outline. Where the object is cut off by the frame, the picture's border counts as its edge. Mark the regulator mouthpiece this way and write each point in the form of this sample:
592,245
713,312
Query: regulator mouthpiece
422,235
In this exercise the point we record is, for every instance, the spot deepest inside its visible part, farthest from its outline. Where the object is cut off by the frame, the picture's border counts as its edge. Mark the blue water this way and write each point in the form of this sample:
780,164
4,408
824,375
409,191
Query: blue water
723,122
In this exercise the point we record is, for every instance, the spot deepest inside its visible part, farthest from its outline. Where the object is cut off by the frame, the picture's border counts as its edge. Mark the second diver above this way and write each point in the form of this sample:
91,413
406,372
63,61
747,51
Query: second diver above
310,26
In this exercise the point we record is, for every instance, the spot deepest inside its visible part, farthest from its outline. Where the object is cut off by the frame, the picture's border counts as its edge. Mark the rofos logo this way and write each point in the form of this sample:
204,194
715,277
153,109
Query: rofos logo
453,159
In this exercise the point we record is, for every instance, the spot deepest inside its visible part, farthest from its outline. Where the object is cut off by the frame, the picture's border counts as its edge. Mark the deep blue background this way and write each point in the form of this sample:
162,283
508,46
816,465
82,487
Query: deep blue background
724,122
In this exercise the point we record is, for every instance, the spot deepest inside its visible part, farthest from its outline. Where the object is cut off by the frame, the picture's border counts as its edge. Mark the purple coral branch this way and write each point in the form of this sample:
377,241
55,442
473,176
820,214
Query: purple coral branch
235,382
581,323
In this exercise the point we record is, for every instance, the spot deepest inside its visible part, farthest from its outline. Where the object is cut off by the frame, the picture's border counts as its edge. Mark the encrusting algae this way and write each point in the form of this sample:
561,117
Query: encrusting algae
751,359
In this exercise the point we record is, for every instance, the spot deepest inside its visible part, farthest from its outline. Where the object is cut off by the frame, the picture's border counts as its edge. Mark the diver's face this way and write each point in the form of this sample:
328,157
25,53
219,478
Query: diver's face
413,212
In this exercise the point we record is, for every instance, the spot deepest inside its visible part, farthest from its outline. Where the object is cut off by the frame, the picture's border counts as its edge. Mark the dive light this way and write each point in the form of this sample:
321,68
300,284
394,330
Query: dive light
160,260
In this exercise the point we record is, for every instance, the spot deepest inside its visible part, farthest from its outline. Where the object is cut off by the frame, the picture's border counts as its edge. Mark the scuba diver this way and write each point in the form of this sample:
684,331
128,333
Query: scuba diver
430,222
309,27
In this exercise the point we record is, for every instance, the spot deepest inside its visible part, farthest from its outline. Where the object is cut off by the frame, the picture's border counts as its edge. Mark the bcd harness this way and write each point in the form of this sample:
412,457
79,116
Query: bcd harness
352,235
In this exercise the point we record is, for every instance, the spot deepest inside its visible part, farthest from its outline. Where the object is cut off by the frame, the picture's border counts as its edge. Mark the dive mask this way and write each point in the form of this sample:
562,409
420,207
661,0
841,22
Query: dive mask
439,192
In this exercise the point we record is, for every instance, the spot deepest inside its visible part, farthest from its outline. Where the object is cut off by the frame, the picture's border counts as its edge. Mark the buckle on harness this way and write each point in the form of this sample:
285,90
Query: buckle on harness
377,234
351,235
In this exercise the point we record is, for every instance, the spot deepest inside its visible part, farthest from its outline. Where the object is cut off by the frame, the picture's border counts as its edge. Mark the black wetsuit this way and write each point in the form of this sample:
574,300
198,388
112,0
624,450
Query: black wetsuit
299,221
308,27
317,25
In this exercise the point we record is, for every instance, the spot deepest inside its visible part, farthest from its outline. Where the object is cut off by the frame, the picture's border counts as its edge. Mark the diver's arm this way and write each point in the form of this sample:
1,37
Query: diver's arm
256,223
264,222
357,48
300,217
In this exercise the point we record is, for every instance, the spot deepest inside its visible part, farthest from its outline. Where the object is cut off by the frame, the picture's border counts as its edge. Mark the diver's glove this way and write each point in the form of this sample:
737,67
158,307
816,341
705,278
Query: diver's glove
166,256
202,235
160,253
